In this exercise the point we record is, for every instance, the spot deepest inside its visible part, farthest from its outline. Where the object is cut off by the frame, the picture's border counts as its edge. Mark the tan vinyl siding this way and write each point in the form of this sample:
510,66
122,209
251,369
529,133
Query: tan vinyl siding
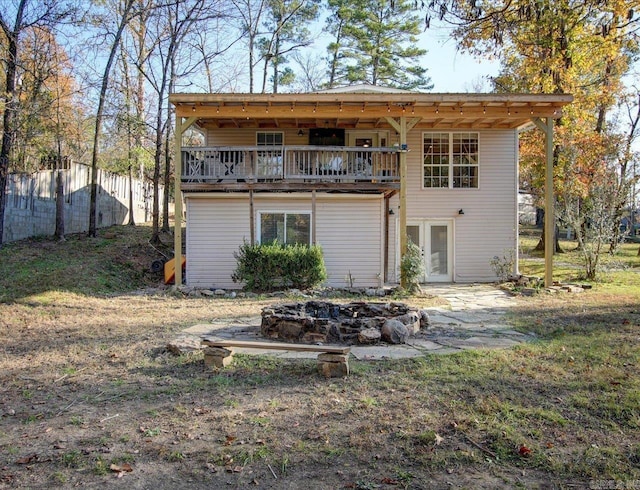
488,225
215,230
350,233
247,137
349,229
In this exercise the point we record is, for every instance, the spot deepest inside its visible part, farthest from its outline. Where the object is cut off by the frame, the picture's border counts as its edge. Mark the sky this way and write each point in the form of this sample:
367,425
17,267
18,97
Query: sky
450,70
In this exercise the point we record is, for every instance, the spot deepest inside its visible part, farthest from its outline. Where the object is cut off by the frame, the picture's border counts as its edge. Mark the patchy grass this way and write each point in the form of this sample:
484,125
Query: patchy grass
618,272
88,394
117,260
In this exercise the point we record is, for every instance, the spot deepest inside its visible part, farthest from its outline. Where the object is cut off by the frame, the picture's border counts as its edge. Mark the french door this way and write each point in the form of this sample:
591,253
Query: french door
435,239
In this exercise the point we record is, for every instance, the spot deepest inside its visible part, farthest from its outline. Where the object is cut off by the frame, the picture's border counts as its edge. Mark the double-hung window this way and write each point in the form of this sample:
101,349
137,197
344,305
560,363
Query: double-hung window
450,160
285,228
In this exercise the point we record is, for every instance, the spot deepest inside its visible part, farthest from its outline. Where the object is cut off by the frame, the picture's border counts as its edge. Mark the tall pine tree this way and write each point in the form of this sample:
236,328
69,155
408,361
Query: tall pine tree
375,42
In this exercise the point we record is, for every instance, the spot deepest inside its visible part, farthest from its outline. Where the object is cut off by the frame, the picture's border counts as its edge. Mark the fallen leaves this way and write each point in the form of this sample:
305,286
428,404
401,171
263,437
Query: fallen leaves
121,470
390,481
524,451
31,458
229,465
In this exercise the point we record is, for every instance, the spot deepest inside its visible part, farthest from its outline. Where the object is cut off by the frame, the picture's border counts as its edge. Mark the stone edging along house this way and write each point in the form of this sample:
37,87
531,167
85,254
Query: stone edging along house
358,170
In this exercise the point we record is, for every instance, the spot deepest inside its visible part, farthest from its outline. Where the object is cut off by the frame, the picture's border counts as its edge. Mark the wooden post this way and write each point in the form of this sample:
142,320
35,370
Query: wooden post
177,231
549,204
313,217
181,127
402,127
386,239
403,193
546,126
252,219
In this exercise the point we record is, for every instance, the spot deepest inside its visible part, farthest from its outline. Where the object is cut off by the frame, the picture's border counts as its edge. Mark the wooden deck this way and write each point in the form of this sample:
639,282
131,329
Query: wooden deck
290,168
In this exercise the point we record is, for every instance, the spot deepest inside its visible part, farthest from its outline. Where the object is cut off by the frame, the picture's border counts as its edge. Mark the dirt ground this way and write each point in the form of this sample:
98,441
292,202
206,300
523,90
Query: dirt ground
89,397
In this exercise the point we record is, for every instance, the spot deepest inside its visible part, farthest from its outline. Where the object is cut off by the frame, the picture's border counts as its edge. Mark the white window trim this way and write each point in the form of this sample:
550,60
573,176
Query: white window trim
278,211
451,165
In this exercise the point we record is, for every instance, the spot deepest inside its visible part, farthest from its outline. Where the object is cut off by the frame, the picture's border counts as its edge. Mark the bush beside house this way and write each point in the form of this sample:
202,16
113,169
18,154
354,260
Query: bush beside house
267,267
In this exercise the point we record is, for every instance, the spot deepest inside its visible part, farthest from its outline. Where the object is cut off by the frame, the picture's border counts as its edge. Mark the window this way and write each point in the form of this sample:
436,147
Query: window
270,159
450,160
269,138
285,228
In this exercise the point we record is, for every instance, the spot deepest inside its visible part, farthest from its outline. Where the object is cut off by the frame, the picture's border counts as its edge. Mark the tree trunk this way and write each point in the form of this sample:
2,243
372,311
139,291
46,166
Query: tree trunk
167,181
167,153
99,115
132,220
155,213
59,233
540,246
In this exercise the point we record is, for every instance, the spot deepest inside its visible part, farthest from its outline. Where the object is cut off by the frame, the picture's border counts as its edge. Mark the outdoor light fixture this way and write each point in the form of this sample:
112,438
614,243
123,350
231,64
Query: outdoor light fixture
300,132
391,212
461,211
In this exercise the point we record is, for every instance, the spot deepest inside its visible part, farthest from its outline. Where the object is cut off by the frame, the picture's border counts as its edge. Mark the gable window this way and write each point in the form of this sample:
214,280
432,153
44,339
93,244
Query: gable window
285,228
450,160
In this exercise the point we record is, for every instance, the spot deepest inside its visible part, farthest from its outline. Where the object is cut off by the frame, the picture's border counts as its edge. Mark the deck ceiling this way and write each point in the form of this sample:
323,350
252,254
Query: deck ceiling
367,110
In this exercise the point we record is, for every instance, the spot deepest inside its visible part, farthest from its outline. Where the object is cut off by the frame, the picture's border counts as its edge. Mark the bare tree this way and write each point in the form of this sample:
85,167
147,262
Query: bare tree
125,16
128,124
311,71
251,13
132,74
171,24
210,43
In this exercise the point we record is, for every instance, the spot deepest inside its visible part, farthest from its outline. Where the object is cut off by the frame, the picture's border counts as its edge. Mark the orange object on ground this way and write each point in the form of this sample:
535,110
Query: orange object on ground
170,270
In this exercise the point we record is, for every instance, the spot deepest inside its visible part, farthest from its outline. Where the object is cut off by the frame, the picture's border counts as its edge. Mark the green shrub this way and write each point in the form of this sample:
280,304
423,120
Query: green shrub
267,267
411,267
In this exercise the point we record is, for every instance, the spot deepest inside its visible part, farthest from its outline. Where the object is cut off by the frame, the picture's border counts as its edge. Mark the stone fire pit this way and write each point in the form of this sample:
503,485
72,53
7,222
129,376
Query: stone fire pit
353,323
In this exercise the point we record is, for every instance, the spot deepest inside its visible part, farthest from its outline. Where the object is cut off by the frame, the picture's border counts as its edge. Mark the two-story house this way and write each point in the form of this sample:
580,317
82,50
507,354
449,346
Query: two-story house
358,170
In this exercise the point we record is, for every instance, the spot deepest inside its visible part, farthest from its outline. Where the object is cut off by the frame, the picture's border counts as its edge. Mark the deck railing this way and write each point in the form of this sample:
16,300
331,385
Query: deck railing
294,163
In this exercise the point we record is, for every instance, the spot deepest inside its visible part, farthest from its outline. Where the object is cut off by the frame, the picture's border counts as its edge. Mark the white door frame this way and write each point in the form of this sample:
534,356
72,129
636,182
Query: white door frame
424,226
